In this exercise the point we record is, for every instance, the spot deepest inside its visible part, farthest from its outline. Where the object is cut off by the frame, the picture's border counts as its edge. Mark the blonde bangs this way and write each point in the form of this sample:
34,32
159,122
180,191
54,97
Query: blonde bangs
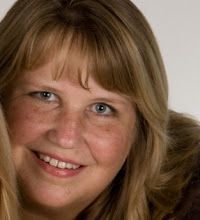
74,51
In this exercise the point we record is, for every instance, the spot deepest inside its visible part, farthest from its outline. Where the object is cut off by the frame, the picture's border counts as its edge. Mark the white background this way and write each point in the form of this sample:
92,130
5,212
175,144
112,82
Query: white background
176,24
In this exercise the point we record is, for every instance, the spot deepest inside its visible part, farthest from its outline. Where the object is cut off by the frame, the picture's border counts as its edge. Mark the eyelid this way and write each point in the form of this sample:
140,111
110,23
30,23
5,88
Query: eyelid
111,108
37,94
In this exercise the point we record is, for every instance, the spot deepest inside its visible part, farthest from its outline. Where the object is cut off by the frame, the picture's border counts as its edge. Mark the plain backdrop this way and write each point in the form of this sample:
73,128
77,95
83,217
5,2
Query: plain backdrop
176,24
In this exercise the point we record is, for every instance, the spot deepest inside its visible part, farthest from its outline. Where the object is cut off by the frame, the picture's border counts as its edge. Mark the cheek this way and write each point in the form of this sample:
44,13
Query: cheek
25,122
111,143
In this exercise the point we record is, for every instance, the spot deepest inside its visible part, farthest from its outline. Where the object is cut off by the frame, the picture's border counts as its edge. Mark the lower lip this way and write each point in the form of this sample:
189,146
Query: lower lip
54,171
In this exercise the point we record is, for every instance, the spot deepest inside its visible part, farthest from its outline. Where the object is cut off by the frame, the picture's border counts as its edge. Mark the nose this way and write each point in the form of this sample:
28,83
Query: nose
67,130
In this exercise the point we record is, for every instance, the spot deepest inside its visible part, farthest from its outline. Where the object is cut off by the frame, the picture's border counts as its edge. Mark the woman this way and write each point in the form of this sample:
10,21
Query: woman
8,201
85,96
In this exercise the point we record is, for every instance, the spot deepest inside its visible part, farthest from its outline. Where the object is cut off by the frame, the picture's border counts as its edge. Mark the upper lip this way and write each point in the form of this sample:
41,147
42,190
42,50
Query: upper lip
60,158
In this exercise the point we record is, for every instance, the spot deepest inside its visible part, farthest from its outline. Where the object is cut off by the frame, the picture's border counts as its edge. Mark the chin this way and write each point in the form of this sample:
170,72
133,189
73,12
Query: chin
45,198
51,205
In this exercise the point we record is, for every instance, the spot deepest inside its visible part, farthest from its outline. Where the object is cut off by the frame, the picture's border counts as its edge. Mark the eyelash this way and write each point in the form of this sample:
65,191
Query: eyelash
111,110
41,96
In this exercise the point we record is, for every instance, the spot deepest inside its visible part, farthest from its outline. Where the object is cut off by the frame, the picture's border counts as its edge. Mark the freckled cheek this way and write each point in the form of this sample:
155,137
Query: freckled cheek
25,123
110,144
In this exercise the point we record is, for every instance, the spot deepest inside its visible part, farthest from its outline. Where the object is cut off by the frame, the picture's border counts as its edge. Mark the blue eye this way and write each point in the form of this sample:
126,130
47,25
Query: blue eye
45,96
102,109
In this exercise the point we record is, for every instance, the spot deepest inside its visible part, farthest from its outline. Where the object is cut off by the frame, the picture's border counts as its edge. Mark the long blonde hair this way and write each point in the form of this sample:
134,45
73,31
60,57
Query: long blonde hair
8,196
116,42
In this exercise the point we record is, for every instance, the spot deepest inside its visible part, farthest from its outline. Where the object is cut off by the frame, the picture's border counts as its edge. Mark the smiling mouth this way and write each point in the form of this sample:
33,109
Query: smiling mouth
57,163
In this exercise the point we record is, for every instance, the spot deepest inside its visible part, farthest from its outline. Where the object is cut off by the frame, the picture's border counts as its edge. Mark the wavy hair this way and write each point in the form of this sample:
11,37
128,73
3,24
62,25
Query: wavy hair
116,44
8,195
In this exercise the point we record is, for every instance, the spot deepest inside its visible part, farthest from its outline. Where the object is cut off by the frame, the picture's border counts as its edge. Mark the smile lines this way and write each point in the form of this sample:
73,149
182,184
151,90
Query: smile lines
56,163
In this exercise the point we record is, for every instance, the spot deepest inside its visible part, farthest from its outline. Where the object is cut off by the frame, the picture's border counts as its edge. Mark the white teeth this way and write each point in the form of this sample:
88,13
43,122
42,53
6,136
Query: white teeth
57,163
75,166
46,158
54,162
68,165
61,164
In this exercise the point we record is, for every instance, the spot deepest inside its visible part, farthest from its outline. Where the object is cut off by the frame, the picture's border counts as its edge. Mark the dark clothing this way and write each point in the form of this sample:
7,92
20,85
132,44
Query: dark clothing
189,207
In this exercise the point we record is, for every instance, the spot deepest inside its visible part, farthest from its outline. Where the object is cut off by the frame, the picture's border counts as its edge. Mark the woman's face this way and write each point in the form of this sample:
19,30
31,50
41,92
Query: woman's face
68,142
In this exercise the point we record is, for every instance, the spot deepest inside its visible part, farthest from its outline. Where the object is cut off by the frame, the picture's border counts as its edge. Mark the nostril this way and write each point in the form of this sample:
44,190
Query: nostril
51,136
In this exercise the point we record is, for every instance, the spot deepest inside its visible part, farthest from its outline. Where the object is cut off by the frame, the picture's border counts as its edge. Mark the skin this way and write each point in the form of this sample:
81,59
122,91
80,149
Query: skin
66,124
